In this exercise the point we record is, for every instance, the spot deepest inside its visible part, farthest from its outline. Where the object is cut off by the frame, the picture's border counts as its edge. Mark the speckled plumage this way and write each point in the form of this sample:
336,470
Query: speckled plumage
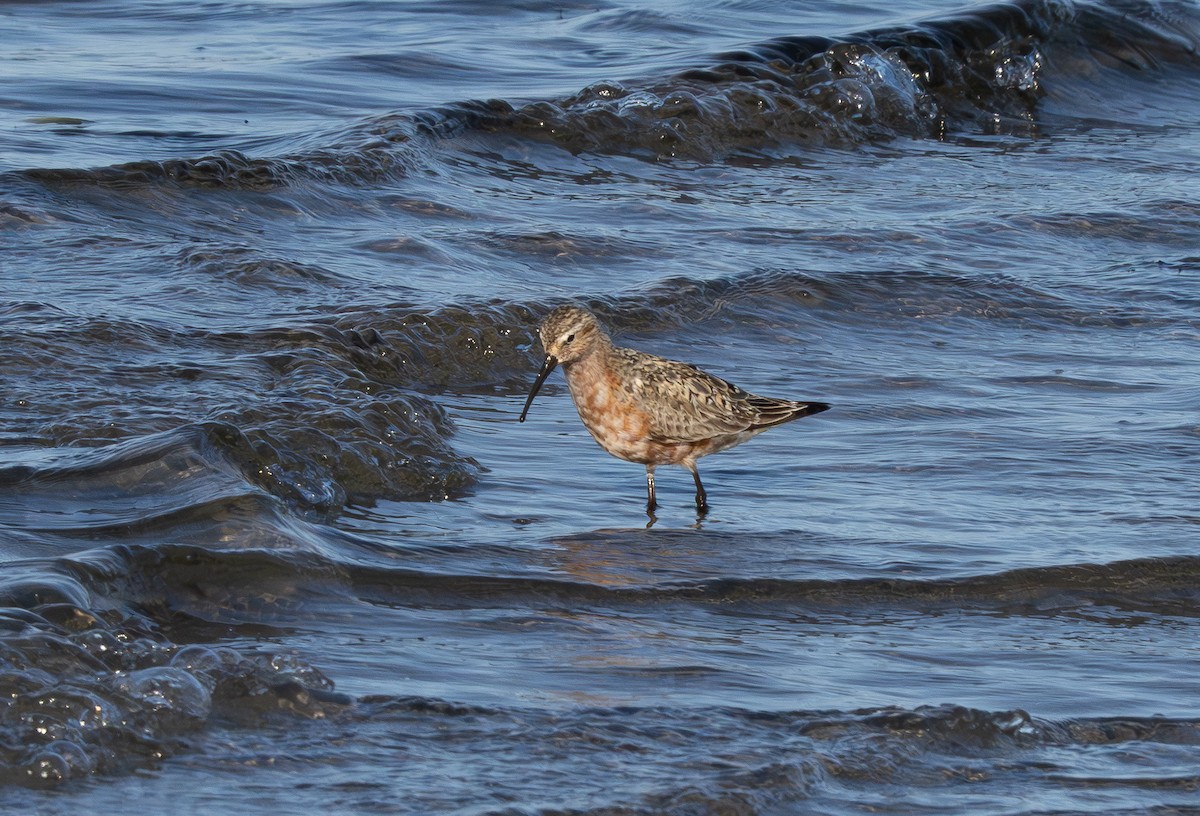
650,410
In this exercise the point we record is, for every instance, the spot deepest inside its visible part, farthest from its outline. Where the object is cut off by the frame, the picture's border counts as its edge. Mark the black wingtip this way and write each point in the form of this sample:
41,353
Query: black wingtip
815,408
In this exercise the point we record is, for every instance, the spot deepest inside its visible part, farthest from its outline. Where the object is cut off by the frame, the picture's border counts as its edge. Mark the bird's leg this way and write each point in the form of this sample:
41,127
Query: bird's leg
650,502
701,496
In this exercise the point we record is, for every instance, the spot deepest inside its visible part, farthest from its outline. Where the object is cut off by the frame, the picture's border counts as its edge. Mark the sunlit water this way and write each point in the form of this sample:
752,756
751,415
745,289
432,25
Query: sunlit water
273,537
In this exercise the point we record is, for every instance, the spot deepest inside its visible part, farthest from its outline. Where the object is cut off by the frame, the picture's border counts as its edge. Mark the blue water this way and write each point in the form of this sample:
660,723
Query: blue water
272,536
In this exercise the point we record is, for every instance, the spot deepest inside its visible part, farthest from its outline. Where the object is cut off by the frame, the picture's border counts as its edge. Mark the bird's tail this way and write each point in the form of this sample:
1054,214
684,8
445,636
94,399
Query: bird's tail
776,411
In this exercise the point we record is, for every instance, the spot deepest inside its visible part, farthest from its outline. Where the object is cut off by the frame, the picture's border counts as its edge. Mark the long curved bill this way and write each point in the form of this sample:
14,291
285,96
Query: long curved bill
547,367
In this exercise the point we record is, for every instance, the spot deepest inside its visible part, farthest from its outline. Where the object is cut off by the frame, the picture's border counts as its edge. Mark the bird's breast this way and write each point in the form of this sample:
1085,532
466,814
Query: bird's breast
615,421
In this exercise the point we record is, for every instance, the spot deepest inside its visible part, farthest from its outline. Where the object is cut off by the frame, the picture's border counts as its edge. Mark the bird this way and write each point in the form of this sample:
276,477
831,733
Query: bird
650,410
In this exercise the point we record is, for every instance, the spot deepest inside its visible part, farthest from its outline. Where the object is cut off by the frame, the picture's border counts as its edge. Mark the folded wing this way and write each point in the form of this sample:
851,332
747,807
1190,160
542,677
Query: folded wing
686,404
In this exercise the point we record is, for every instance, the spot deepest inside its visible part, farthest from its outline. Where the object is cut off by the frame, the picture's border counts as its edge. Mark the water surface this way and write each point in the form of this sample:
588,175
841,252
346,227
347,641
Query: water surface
272,536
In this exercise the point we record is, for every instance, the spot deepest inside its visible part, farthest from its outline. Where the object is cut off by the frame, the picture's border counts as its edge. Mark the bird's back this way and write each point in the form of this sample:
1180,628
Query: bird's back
685,404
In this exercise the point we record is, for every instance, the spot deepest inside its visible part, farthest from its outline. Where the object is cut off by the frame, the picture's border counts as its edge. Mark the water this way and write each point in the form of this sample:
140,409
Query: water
272,536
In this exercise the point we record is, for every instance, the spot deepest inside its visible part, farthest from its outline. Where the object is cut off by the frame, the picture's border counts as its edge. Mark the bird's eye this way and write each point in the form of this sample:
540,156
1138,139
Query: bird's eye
570,338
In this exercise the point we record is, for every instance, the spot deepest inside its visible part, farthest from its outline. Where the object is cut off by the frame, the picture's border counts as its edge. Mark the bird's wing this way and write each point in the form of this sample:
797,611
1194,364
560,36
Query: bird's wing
686,404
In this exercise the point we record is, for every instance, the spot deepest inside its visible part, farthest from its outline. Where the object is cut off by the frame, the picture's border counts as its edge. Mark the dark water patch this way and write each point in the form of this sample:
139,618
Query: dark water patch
1163,586
483,347
337,427
1157,222
392,447
166,488
551,247
138,704
416,65
364,160
676,760
311,166
22,310
93,686
1153,282
424,207
978,71
229,169
1051,381
195,592
636,21
247,268
316,415
18,216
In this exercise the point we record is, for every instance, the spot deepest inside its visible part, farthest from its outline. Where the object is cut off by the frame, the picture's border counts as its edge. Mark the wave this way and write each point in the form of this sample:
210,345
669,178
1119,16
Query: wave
1161,585
983,71
113,538
347,408
315,415
112,658
96,686
728,760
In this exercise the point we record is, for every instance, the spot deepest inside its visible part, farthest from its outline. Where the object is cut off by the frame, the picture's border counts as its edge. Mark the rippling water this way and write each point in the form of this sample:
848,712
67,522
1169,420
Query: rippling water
273,538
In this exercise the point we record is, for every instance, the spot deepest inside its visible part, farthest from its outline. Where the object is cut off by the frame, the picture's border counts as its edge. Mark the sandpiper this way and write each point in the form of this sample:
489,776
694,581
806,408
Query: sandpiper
649,410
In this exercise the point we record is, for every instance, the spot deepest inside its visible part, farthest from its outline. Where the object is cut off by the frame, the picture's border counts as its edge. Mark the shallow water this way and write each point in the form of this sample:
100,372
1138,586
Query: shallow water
272,535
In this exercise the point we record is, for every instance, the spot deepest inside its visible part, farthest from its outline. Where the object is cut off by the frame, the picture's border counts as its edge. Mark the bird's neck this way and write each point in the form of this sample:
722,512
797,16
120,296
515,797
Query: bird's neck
588,369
